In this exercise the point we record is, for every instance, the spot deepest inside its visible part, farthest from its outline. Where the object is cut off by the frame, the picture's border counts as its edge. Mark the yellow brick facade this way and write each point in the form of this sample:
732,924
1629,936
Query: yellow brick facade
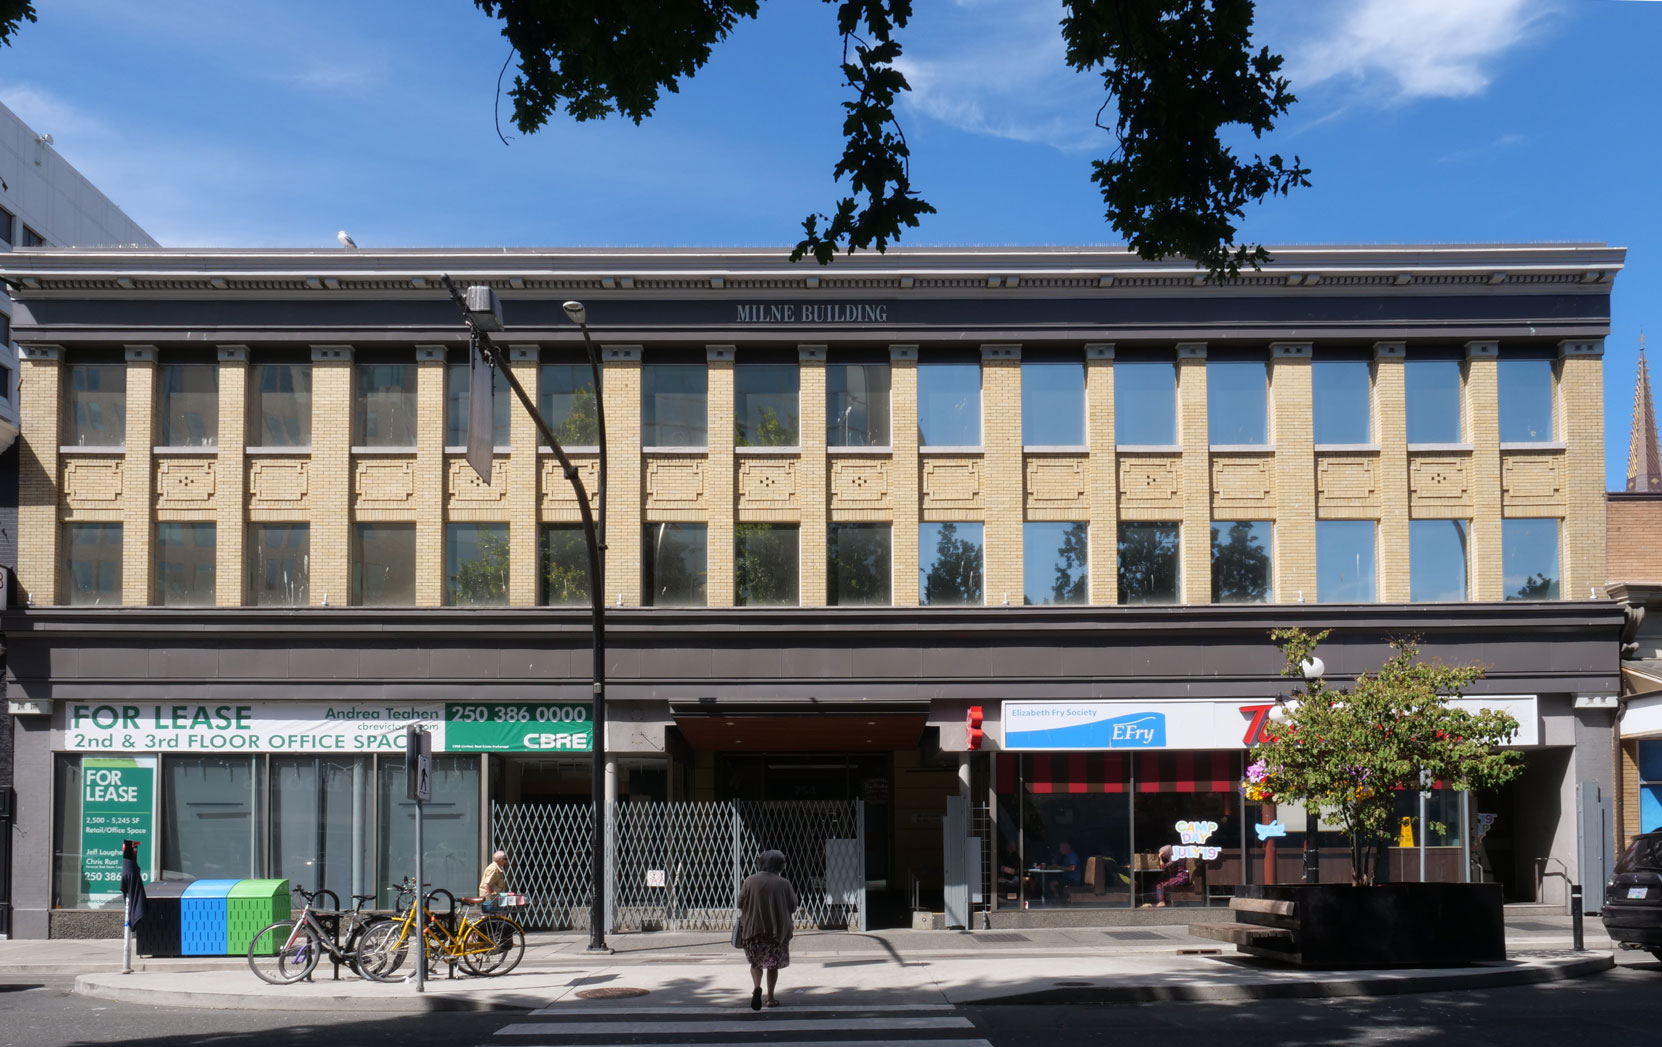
1291,482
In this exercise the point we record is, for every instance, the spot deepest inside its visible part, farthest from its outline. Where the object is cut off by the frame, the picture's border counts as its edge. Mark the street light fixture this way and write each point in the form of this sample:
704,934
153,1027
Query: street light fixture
483,314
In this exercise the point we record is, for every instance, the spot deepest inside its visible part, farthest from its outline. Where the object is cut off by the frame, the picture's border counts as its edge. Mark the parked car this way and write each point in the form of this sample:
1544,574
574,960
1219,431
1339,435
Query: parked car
1633,897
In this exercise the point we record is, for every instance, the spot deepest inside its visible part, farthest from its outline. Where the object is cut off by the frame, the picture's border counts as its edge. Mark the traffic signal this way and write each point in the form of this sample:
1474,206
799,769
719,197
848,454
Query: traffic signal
973,723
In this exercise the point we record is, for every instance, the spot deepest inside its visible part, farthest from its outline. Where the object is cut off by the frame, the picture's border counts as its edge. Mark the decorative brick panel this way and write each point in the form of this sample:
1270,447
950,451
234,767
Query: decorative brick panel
278,483
767,484
1151,483
92,483
466,489
1347,482
1244,483
384,484
184,483
1056,485
951,483
1531,481
559,500
674,484
1439,486
860,484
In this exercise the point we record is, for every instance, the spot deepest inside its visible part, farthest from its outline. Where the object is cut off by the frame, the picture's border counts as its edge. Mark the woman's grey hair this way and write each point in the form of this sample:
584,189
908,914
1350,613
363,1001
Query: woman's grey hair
771,861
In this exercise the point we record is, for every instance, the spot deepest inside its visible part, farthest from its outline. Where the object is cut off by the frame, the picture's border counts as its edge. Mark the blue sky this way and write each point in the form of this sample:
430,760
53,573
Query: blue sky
277,123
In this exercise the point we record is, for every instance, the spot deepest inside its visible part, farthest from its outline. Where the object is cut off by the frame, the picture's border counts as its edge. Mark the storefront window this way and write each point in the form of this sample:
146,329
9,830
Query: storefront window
476,564
1650,784
674,565
949,564
213,817
450,827
91,564
564,580
188,405
101,801
279,564
857,404
767,565
280,405
858,565
765,404
1054,561
1148,562
321,811
185,564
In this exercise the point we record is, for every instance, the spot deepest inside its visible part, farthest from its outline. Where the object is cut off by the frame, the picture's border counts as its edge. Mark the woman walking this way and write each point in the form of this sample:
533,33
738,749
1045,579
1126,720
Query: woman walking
766,902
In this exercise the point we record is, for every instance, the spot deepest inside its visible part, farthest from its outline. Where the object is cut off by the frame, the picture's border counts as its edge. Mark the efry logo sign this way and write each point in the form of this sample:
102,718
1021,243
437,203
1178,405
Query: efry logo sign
1080,725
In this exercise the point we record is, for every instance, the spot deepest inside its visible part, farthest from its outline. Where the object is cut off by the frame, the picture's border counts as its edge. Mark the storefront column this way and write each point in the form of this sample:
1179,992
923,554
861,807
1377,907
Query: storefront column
964,777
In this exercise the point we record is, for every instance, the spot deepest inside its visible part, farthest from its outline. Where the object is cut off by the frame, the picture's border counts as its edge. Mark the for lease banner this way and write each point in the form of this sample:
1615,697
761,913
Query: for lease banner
118,802
228,727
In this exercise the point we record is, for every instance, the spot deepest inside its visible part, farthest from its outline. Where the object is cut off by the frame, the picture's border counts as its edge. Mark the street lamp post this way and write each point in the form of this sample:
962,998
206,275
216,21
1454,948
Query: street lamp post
482,315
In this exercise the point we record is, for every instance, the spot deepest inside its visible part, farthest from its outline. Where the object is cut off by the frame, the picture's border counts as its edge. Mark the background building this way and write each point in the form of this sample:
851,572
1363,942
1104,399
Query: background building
846,506
43,201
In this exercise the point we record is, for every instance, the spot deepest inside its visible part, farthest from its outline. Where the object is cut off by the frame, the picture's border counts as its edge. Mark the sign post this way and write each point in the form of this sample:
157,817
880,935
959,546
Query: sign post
418,775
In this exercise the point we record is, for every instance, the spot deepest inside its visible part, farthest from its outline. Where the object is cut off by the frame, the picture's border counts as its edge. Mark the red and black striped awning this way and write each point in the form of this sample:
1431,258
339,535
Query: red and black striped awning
1111,772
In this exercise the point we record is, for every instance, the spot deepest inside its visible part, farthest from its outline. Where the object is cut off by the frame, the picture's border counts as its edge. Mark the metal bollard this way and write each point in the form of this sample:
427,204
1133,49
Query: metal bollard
1575,915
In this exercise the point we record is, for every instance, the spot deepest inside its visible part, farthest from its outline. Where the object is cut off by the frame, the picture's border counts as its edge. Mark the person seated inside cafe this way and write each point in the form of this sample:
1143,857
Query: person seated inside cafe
1010,878
1073,869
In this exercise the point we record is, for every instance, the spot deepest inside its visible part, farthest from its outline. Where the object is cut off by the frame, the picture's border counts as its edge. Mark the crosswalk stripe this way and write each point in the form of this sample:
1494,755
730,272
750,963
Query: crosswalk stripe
797,1006
642,1028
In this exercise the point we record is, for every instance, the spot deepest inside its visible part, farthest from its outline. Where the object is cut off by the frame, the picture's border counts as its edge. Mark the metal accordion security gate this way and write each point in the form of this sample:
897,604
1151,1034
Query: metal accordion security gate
678,866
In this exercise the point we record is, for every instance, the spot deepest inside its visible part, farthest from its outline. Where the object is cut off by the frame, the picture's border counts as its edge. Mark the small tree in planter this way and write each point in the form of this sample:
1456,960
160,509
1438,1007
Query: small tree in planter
1346,752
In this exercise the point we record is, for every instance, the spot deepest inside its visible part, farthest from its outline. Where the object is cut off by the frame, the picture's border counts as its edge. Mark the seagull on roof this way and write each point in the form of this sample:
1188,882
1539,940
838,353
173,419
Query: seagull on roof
345,241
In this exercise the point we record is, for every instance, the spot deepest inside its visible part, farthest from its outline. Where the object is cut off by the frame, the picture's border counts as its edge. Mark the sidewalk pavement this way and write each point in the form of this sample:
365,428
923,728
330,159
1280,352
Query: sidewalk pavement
879,969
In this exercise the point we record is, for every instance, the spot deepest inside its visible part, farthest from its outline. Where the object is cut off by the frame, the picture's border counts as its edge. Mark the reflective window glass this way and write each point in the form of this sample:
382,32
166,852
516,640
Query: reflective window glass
1237,401
674,398
1052,403
1145,402
95,405
213,817
564,580
857,404
458,403
187,405
675,565
765,404
1148,562
185,564
1345,561
1525,390
1055,557
384,411
1437,561
383,564
1241,551
475,564
1529,549
279,564
450,826
1432,391
1342,401
321,810
859,565
949,564
949,404
766,565
280,405
565,391
91,564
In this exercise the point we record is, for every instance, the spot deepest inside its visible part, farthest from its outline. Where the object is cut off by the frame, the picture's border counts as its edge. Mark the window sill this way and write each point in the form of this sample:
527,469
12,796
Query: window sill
950,449
91,449
194,449
1055,449
1347,448
674,450
763,452
1532,445
852,449
1241,448
406,451
295,450
1148,448
573,449
498,449
1412,448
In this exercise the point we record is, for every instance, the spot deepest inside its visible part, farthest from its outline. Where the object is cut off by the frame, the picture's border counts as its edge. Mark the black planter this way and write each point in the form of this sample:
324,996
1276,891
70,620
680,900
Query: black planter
1391,925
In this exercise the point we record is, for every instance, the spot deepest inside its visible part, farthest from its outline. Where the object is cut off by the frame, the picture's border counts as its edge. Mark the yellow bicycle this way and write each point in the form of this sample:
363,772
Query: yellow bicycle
489,945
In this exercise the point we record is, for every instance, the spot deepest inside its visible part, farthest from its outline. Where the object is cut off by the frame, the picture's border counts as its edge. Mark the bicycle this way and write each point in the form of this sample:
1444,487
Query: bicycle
490,945
305,940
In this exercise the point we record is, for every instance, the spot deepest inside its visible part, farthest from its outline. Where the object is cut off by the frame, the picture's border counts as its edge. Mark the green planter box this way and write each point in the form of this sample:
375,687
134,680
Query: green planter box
251,905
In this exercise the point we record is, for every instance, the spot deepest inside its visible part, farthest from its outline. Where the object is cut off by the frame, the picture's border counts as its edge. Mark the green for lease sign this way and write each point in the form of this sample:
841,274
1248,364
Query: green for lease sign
118,797
517,727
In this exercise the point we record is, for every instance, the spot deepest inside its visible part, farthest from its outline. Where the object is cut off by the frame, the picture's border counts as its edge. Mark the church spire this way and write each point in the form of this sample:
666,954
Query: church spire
1644,456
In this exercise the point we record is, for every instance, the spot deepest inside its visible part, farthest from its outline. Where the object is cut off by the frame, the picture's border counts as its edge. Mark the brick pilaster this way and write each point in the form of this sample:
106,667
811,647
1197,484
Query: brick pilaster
1002,471
813,495
430,476
329,475
1390,411
523,551
905,483
1104,477
1292,431
1195,538
40,432
1481,403
138,482
720,490
230,482
621,376
1580,427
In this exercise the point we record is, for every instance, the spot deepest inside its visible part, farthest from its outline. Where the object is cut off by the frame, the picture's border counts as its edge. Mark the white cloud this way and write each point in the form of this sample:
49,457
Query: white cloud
1402,50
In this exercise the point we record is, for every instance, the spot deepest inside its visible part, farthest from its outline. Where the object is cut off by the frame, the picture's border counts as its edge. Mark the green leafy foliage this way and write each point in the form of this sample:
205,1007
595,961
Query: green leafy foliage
483,580
1240,566
581,425
13,13
565,567
769,431
1071,559
765,565
955,576
1346,752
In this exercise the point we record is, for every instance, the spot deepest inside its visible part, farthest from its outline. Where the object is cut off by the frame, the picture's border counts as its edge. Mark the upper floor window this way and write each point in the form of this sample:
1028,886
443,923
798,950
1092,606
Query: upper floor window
279,564
1432,392
564,579
1145,402
1525,391
949,404
767,565
1241,561
765,404
280,404
857,404
91,564
1342,401
1052,403
383,564
674,402
458,402
1055,558
1148,562
6,218
565,395
187,397
858,565
475,564
95,404
1529,554
675,565
1437,557
1237,401
30,238
384,409
1345,561
185,564
949,564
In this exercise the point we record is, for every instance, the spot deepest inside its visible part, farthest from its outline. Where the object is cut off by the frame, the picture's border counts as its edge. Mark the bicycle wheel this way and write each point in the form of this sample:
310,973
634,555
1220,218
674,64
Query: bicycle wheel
355,940
493,946
382,949
281,954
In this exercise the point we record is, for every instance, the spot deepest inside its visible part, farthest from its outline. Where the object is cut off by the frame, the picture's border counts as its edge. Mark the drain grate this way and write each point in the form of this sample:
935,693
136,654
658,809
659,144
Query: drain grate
1135,936
611,992
1001,939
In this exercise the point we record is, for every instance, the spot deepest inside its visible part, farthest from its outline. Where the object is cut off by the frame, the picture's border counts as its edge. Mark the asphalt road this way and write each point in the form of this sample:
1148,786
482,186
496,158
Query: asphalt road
1619,1008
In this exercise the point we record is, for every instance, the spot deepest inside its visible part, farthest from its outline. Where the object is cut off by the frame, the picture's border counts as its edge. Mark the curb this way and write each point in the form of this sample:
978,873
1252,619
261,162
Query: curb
94,985
1382,984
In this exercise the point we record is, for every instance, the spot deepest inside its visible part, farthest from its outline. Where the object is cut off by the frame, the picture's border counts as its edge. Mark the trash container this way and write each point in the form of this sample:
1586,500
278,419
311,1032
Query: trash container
158,933
251,905
202,918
